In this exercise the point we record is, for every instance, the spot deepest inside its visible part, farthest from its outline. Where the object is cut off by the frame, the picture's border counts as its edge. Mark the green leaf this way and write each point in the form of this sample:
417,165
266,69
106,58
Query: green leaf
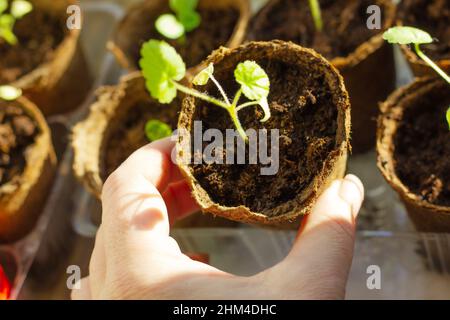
3,5
183,6
253,80
190,20
407,35
20,8
9,93
156,130
169,26
186,14
448,117
161,65
6,28
203,76
255,84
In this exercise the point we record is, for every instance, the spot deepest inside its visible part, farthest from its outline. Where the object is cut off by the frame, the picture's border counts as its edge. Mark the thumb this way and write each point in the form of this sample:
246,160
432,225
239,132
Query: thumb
324,246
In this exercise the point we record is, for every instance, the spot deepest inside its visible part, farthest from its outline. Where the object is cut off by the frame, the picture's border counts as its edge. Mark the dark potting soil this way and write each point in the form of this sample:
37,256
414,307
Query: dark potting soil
17,132
291,20
215,30
432,16
422,150
130,134
39,33
303,111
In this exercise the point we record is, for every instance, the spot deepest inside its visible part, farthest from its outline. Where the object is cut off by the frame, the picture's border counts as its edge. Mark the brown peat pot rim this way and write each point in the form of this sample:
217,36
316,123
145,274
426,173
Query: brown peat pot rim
391,116
19,199
235,40
333,167
88,134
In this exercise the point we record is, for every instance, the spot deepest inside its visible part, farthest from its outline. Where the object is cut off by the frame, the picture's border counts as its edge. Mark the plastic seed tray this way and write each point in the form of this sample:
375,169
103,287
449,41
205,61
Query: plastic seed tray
412,265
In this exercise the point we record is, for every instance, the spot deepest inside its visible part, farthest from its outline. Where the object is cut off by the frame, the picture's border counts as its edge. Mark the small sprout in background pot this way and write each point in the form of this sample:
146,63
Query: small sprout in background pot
314,6
17,10
416,37
9,93
448,117
157,130
163,67
186,19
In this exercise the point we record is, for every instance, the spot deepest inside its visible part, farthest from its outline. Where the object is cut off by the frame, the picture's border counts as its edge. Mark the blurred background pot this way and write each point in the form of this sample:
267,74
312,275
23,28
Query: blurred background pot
413,144
361,55
26,180
224,23
48,62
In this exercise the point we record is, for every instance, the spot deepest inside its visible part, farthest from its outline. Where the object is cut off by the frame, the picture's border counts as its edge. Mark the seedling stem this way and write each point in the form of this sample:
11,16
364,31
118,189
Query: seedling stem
317,14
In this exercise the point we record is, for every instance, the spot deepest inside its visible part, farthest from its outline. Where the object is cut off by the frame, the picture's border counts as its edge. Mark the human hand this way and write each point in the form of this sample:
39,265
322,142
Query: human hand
135,258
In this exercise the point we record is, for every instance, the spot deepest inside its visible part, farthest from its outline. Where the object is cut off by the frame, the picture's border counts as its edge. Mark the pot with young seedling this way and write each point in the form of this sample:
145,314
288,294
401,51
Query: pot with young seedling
27,164
193,27
260,96
433,17
339,30
413,140
46,62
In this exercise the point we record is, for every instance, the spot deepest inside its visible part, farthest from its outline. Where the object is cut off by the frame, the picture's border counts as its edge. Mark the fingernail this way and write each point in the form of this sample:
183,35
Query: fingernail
351,191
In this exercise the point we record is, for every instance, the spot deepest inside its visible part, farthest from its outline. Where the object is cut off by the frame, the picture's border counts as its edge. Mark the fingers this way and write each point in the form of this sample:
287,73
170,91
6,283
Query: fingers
324,246
81,290
135,217
179,201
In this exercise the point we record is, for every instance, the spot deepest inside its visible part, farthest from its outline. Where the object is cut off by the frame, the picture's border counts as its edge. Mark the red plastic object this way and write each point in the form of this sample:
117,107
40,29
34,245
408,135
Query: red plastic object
5,286
200,257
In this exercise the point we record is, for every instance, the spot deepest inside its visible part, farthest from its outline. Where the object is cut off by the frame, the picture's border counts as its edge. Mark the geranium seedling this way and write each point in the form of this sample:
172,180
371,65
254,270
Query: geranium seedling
416,37
9,93
163,68
156,130
314,6
17,10
186,19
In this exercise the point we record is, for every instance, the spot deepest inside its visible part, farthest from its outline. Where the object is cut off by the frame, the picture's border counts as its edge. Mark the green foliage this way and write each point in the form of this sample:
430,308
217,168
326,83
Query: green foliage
254,83
17,10
415,36
407,35
162,68
161,65
316,14
203,77
169,26
448,117
186,20
9,93
156,130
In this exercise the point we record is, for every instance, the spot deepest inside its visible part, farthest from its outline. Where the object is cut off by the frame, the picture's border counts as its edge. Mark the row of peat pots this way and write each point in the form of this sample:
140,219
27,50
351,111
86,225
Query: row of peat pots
321,116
